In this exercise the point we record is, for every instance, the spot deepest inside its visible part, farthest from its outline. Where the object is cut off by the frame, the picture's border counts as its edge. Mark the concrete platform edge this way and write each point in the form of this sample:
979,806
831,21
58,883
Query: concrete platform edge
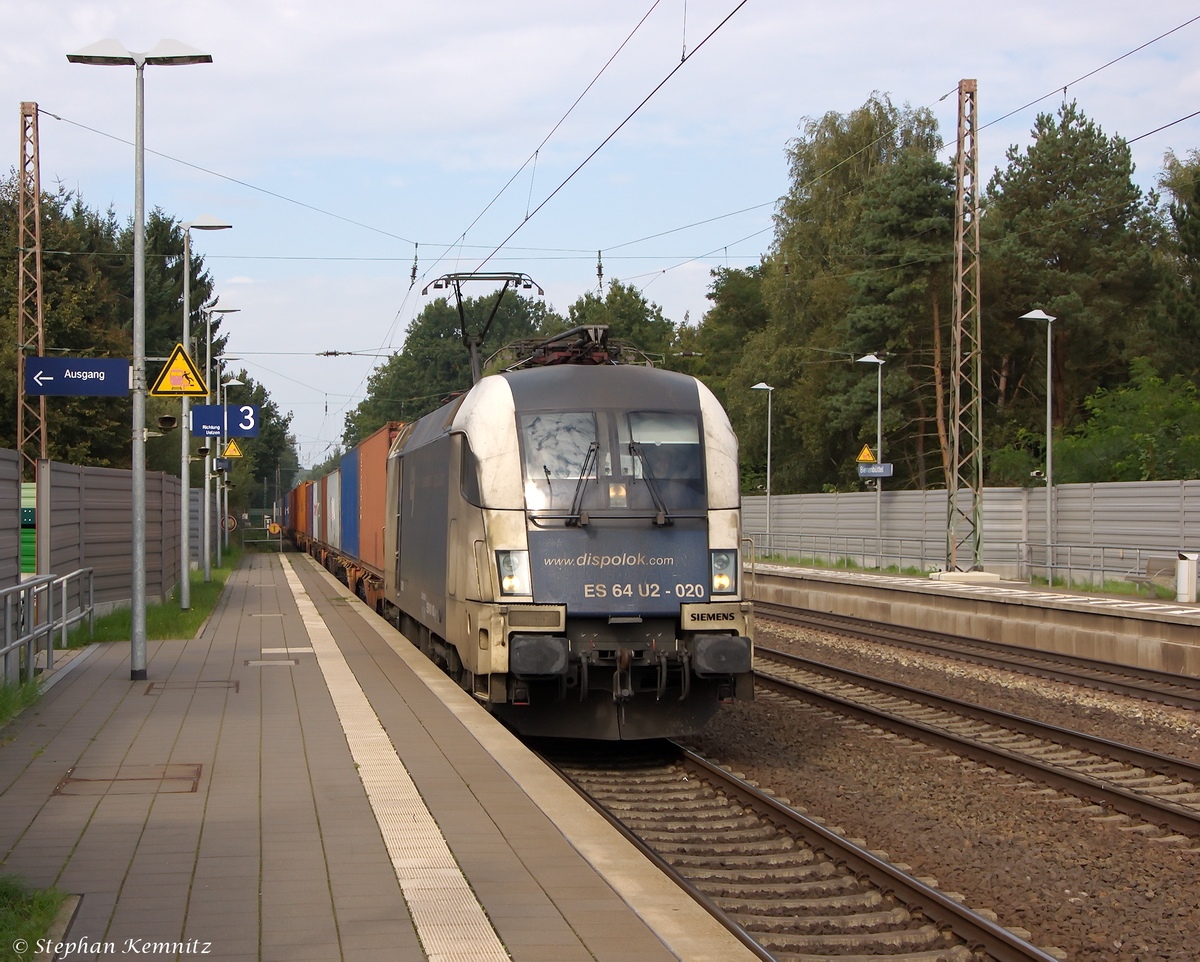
686,929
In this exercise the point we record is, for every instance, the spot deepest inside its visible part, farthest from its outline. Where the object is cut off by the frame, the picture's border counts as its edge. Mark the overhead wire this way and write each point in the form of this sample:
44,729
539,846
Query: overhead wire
1090,73
233,180
614,132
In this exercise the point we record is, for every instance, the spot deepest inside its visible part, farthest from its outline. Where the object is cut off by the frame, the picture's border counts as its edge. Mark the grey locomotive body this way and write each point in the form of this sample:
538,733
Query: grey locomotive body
566,545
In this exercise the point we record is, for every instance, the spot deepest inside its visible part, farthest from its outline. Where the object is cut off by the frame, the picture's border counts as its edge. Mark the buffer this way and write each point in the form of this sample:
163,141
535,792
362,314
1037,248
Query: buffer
179,377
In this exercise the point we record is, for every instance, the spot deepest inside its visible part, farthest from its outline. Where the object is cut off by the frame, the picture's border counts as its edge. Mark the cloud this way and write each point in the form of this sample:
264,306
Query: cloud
410,117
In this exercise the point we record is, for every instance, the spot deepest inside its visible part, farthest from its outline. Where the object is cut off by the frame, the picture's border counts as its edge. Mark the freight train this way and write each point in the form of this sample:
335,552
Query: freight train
562,539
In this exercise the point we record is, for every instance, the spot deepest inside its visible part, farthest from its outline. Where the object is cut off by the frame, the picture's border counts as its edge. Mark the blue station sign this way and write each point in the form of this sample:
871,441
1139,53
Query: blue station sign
77,376
883,470
225,421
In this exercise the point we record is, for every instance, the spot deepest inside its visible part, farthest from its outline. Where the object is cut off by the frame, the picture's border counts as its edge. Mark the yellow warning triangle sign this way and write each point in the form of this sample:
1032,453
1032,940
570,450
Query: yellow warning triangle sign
232,450
179,377
865,456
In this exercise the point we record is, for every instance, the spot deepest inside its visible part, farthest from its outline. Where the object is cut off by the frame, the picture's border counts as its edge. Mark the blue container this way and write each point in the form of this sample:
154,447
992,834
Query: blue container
349,503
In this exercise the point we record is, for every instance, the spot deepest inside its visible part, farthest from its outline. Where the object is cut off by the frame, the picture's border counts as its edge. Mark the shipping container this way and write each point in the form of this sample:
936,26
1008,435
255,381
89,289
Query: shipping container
372,496
349,496
333,510
314,510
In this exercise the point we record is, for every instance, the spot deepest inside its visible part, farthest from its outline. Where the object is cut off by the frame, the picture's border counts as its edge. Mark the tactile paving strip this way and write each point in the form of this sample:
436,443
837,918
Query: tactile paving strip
450,921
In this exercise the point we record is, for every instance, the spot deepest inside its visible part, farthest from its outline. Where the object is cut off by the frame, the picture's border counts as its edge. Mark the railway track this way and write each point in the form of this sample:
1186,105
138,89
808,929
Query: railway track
1166,688
790,887
1160,790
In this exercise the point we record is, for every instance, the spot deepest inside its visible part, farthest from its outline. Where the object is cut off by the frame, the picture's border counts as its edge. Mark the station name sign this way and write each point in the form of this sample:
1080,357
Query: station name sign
77,376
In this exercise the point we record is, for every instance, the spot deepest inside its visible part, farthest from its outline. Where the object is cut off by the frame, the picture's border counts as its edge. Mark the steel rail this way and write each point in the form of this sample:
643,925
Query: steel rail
1180,691
1118,751
1097,791
663,865
977,931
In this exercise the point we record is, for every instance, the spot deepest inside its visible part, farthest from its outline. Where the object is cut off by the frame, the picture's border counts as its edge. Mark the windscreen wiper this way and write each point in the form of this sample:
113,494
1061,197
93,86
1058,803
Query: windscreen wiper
660,506
577,517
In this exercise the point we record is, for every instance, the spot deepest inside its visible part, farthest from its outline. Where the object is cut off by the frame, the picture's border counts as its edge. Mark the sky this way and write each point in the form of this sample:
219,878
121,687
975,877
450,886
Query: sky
342,139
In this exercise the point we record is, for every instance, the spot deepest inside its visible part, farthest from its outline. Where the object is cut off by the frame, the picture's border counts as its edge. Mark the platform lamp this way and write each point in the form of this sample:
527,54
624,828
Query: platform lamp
208,457
764,386
165,53
1040,315
878,362
203,222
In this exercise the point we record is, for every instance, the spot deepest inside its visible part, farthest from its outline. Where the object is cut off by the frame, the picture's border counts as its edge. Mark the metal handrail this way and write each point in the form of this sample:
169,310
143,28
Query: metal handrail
29,616
1066,560
867,550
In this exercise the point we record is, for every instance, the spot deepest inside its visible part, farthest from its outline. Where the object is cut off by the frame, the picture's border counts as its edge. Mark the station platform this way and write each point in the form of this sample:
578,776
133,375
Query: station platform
299,782
1125,630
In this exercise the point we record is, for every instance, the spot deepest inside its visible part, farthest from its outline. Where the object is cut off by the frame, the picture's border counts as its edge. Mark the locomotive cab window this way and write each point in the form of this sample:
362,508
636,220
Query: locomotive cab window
624,463
558,447
666,447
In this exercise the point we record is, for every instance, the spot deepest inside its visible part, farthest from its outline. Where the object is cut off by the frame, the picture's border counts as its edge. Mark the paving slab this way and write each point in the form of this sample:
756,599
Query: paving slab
221,800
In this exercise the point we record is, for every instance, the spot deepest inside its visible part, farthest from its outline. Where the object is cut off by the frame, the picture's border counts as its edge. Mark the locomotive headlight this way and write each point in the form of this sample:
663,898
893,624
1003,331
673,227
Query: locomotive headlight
513,567
724,572
617,496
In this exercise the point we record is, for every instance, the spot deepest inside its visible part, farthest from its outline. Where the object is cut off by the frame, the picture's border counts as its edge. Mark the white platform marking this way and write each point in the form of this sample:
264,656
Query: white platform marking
450,921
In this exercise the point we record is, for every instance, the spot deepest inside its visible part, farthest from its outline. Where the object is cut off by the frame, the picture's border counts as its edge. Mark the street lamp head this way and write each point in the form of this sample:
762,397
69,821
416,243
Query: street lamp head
869,359
1038,315
105,53
233,382
112,53
761,386
173,53
206,222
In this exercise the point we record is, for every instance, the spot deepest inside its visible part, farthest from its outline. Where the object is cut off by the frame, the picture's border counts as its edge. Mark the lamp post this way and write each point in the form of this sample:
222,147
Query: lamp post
111,53
208,458
223,490
202,222
1040,315
878,362
764,386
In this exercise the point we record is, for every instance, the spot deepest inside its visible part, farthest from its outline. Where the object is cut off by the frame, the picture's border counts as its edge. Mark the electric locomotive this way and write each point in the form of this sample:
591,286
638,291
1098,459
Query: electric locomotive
564,541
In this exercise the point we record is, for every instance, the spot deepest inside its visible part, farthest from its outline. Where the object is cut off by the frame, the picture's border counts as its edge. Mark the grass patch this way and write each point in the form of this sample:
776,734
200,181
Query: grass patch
845,563
166,620
1115,586
25,914
16,698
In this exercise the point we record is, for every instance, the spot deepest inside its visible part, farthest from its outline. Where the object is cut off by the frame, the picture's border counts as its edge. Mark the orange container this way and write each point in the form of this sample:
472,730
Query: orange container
372,493
302,509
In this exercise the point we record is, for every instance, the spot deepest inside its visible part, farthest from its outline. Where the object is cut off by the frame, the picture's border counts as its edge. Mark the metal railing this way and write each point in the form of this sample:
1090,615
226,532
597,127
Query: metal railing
866,551
33,611
1084,564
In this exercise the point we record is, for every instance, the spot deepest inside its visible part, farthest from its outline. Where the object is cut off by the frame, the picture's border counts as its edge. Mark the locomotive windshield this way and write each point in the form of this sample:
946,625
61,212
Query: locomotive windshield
629,463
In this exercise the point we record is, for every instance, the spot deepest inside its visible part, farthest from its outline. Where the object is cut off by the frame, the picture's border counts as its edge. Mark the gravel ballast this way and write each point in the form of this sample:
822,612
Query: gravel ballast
1096,891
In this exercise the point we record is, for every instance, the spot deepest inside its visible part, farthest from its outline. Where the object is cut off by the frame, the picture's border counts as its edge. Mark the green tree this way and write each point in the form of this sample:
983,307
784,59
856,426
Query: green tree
1148,430
901,306
738,311
86,311
1067,230
629,316
823,404
1174,342
434,363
